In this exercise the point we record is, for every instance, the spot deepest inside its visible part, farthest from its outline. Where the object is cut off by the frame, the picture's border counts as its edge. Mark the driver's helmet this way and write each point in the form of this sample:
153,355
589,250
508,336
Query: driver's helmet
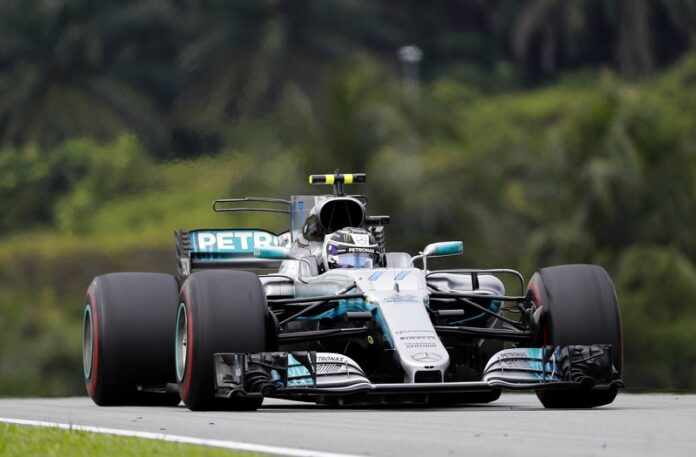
350,247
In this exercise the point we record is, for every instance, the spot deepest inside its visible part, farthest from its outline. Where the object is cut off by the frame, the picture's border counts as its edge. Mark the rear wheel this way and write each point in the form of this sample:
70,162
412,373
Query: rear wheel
579,306
219,311
126,339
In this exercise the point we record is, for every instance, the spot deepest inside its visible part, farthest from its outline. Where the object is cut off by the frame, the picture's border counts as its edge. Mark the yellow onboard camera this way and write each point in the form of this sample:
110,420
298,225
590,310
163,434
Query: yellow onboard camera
338,179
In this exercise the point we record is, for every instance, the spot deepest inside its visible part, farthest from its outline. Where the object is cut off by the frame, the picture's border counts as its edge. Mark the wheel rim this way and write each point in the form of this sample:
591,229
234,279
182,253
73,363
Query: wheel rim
87,341
181,341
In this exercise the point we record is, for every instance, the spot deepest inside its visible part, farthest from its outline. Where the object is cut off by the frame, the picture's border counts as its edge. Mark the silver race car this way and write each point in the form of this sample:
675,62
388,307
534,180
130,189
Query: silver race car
340,320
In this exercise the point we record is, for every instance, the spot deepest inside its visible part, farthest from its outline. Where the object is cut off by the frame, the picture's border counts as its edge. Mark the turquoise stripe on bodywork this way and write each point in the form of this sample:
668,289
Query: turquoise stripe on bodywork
298,374
375,276
537,355
350,305
401,275
353,305
271,252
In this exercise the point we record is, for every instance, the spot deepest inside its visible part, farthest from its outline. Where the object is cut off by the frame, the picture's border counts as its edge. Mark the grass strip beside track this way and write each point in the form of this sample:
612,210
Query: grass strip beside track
24,441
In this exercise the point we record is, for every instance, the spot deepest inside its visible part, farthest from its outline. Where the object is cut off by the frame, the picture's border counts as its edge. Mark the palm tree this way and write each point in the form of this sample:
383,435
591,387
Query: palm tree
242,55
79,67
631,34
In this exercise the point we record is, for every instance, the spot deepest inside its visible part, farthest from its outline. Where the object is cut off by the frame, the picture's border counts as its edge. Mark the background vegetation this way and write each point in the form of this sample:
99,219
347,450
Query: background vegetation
541,132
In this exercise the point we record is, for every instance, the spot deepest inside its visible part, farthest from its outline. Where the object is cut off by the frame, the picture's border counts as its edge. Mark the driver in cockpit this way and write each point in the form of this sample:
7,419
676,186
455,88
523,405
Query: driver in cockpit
351,247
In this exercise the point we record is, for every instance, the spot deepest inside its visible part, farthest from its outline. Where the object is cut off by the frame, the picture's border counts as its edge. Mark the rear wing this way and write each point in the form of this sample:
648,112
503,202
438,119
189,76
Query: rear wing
224,248
234,248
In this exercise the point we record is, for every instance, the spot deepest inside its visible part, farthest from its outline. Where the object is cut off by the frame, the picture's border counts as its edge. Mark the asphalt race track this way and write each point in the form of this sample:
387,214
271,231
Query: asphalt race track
654,425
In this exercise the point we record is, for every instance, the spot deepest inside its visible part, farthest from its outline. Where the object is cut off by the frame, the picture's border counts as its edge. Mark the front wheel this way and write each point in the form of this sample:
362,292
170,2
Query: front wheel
219,311
578,307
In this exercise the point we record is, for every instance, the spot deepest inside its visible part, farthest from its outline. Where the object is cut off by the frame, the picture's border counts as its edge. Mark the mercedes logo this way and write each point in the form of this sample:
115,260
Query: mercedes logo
426,357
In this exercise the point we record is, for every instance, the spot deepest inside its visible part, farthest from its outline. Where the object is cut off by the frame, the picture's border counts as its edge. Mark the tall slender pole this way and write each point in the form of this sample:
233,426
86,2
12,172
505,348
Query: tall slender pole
410,56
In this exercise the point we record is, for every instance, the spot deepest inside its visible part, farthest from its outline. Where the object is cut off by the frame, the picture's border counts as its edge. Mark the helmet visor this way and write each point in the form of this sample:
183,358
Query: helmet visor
356,260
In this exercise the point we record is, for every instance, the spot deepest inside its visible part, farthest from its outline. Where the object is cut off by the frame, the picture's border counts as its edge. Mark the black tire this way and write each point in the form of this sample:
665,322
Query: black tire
127,339
579,306
224,311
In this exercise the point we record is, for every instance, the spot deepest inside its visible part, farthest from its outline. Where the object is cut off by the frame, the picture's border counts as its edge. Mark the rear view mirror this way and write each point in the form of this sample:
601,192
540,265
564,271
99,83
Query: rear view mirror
443,248
440,249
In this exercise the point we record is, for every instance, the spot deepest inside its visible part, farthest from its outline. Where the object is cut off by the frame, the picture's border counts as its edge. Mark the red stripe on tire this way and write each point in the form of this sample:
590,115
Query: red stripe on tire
189,344
94,375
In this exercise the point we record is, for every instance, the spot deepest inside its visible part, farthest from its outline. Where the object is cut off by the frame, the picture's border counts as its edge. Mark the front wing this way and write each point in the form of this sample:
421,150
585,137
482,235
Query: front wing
310,375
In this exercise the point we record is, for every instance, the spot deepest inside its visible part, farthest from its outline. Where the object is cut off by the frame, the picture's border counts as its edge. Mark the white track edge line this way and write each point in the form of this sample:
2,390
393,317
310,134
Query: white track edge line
233,445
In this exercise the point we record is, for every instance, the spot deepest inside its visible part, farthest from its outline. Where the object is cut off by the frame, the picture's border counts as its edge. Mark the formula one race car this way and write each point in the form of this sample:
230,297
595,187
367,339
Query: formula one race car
342,321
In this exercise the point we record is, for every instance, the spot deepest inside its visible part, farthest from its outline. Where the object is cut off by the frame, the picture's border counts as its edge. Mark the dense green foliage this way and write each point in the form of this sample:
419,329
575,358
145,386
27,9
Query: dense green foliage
62,186
542,132
179,72
23,441
593,169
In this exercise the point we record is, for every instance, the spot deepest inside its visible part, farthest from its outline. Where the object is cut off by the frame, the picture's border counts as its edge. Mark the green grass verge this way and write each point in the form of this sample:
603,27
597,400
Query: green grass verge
26,441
